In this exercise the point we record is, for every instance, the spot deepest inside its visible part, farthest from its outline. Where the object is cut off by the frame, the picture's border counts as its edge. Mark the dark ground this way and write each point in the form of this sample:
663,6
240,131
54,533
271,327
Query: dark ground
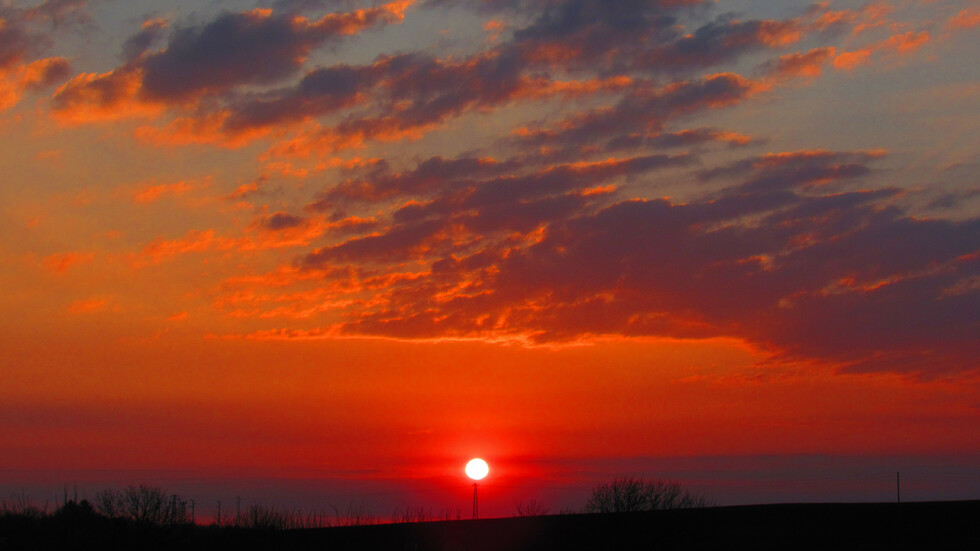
886,526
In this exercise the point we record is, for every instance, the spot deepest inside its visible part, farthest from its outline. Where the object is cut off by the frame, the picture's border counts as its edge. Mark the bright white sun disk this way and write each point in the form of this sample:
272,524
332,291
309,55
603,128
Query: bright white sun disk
477,469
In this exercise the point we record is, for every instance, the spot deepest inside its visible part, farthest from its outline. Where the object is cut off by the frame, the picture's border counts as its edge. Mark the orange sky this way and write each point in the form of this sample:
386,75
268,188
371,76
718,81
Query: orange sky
355,244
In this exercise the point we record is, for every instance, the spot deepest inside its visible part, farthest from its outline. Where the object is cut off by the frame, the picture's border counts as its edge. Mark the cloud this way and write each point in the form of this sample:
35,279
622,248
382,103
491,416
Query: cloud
898,44
196,241
234,49
91,97
20,44
647,36
62,262
965,19
153,192
59,12
30,77
88,306
683,138
786,256
552,233
720,41
639,115
281,221
378,183
411,94
809,64
468,208
150,32
806,169
396,97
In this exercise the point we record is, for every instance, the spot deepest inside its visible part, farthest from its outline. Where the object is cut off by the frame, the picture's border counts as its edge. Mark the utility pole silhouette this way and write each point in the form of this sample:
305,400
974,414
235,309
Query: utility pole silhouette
192,512
898,486
476,506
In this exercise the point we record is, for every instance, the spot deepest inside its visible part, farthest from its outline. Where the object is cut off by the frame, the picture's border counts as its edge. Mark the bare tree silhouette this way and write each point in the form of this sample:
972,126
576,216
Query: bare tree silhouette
628,494
142,504
532,508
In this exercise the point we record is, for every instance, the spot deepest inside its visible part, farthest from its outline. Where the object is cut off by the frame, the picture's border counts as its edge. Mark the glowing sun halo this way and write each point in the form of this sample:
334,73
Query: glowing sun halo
477,469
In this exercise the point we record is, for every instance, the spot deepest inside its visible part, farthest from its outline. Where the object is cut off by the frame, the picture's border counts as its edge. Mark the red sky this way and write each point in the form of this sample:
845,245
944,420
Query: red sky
321,251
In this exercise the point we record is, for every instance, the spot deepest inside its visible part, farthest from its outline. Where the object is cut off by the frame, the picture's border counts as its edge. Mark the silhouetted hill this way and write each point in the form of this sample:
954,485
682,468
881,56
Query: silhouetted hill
935,525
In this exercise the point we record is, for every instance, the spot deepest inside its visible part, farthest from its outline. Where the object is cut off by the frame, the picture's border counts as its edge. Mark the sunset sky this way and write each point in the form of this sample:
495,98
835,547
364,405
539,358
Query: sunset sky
321,252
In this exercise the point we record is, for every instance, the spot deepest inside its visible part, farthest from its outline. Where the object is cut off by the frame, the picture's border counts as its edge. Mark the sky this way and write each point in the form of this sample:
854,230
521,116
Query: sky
320,253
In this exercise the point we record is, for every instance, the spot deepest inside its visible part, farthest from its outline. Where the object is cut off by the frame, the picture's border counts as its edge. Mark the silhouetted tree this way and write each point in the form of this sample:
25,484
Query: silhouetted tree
143,505
531,509
628,494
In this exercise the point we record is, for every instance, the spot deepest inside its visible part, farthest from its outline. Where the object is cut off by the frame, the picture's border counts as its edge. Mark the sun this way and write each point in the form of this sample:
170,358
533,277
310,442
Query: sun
477,469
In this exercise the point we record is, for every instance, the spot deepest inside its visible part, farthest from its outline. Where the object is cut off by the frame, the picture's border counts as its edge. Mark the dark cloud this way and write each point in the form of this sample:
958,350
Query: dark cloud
16,43
23,39
378,183
240,48
466,209
320,92
643,112
808,273
257,47
562,179
149,34
803,168
718,42
282,221
947,201
298,6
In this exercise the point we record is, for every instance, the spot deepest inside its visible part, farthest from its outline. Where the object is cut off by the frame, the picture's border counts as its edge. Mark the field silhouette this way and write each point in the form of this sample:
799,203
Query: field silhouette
917,525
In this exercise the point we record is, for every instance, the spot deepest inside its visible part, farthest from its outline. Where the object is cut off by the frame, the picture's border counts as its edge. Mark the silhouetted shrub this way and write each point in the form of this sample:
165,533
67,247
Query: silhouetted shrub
261,517
531,509
21,505
624,495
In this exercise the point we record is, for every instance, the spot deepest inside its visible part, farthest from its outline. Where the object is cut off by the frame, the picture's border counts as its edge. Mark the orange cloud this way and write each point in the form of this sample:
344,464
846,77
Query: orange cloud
966,19
16,80
808,65
160,250
322,140
154,192
907,42
60,263
281,230
778,34
874,16
87,306
207,129
48,155
900,44
851,60
494,27
544,88
91,97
